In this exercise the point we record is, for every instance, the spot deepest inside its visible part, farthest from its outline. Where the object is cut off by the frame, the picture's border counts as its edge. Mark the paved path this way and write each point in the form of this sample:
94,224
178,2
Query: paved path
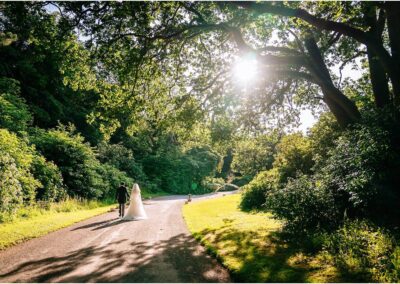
105,249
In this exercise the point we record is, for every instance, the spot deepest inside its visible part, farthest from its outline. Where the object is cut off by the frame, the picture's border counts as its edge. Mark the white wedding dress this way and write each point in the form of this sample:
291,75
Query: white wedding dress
135,209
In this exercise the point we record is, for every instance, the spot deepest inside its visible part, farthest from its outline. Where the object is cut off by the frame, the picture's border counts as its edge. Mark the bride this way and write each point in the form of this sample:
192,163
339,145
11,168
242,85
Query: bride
135,210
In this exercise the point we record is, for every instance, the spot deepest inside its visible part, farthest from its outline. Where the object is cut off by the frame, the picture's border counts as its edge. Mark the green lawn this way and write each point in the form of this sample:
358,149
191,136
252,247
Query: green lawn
250,246
23,229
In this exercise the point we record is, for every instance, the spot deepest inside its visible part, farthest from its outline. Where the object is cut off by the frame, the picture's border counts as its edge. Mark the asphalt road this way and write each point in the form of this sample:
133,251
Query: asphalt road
105,249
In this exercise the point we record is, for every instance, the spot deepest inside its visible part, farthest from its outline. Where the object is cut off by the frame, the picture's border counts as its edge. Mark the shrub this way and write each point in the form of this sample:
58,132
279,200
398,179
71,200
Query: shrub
357,178
304,205
111,180
254,193
212,183
358,174
293,156
364,252
323,136
11,196
22,155
241,180
121,158
52,188
75,159
203,162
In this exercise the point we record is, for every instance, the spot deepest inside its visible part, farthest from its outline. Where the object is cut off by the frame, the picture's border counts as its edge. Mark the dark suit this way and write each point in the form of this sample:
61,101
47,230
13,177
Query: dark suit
122,196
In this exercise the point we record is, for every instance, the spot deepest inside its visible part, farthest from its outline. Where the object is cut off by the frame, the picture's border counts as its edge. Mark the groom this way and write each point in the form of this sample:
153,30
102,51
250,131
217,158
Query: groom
121,196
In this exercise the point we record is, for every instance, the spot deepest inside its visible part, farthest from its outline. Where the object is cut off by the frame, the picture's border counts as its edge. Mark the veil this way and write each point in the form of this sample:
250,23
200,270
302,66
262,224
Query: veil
135,210
135,191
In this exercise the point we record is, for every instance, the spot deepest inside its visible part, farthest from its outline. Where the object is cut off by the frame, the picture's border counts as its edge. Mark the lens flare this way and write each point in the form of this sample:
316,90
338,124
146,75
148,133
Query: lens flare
245,69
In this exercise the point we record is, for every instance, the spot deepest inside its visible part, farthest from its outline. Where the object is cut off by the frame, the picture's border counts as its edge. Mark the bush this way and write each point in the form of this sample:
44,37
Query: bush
52,188
357,177
11,196
254,193
122,158
22,156
293,156
364,252
75,159
241,180
323,136
358,173
304,205
111,180
212,183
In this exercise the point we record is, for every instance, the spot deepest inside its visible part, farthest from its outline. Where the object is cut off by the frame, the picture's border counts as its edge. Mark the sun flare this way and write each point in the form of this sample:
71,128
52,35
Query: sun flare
245,69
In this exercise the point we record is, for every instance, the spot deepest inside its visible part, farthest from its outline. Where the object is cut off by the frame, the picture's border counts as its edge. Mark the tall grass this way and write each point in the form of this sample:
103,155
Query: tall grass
44,208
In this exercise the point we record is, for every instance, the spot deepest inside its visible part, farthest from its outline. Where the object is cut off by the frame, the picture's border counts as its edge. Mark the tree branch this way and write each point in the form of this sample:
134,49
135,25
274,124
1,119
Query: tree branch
323,24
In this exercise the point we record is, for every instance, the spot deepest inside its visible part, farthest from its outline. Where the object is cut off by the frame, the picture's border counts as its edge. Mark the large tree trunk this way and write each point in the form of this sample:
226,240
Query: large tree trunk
393,22
379,80
378,75
344,110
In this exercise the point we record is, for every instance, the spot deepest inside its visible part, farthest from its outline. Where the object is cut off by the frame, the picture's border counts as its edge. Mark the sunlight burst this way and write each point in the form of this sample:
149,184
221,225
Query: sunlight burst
245,69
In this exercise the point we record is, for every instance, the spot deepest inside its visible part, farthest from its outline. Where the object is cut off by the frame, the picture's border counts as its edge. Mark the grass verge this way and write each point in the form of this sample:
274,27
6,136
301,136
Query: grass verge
35,222
250,244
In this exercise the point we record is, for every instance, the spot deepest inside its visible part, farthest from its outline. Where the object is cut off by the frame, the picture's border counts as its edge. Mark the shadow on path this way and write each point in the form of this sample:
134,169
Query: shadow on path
95,224
174,260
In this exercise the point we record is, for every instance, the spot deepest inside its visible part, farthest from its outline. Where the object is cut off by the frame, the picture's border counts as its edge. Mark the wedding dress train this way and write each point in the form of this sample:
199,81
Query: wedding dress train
135,209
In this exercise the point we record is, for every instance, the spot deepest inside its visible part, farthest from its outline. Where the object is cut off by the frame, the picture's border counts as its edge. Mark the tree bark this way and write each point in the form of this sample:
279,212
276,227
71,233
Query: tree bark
344,110
393,23
378,75
379,80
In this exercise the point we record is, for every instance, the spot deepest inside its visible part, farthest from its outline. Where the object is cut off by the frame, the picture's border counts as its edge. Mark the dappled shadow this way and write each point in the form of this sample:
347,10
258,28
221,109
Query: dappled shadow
111,223
174,260
95,224
273,260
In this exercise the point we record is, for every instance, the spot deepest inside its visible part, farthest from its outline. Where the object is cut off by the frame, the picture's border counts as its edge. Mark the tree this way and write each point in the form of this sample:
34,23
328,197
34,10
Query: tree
254,155
372,38
152,33
49,65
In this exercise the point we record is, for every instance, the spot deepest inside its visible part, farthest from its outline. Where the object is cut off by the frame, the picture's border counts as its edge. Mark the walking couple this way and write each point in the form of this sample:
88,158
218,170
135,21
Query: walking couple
135,209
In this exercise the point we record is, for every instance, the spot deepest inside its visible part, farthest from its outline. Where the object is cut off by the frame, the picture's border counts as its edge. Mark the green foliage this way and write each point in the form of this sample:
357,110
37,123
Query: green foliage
363,252
176,171
14,113
10,187
122,158
293,156
323,135
111,179
304,205
52,188
254,194
22,155
52,69
355,176
254,155
75,159
357,171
